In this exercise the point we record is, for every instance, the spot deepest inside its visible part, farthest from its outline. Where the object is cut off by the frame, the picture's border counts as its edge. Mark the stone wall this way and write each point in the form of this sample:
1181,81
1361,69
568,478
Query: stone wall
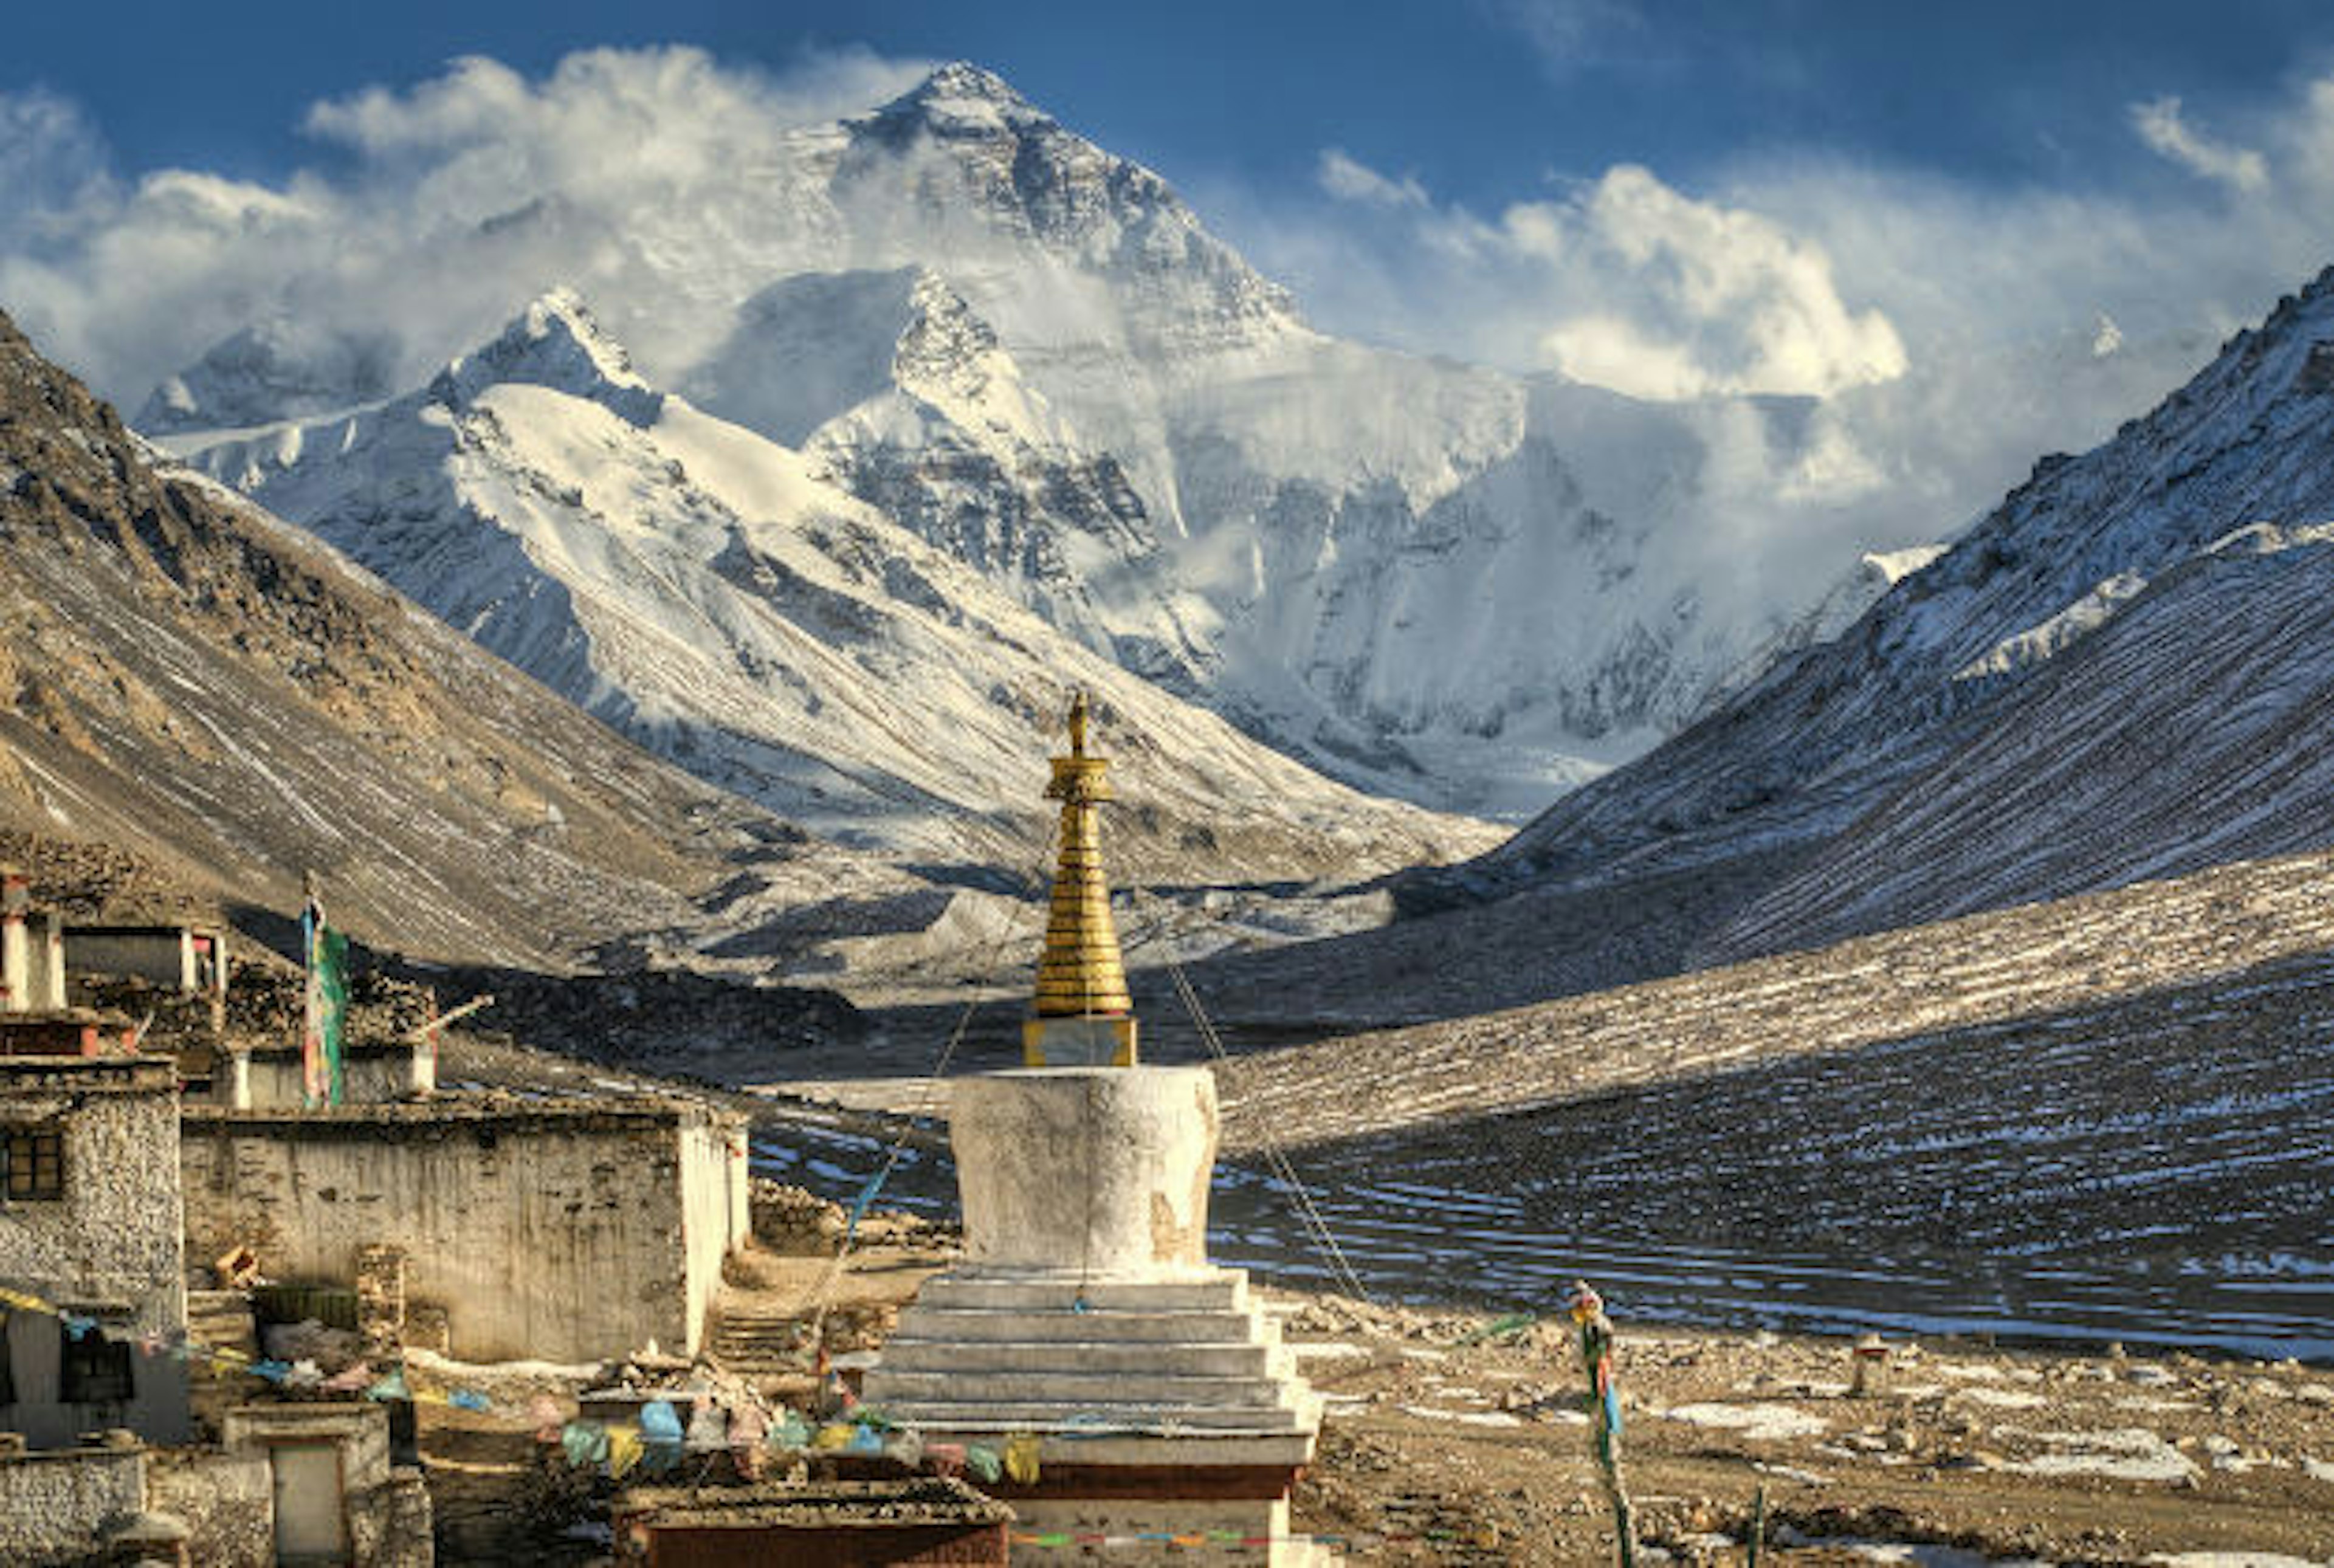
369,1075
109,1247
796,1222
226,1500
60,1507
564,1231
226,1495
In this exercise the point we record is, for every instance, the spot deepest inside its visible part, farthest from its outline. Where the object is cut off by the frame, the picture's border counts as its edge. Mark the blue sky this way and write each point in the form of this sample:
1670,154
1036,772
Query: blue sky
1482,101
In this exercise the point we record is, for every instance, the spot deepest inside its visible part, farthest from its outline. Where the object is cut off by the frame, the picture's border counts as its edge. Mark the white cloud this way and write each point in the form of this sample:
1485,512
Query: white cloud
1568,34
52,162
2160,125
1624,282
1349,180
455,201
1717,299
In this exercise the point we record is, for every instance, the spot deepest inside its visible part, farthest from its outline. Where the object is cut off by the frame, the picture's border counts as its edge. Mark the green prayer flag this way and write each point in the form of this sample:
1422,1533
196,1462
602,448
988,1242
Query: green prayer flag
326,1010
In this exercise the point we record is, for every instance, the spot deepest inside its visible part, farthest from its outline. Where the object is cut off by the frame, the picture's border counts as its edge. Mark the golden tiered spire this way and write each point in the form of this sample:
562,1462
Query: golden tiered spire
1083,1017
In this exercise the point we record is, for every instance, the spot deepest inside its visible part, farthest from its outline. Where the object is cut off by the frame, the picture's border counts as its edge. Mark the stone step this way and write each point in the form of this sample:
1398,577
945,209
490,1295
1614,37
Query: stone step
1221,1290
1040,1416
982,1385
1250,1359
925,1321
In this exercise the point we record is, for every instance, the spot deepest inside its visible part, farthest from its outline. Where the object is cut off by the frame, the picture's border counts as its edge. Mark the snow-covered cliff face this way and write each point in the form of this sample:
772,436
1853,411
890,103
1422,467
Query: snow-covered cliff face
2123,670
1432,580
709,593
900,394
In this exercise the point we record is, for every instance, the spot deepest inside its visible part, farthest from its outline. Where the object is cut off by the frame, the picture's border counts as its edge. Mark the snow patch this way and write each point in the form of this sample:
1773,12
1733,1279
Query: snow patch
1757,1422
1467,1417
2124,1453
2022,650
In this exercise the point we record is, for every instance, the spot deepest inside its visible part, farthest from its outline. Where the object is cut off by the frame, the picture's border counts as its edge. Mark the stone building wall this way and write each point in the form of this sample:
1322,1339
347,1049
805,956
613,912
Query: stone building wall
164,954
560,1232
226,1495
62,1505
226,1500
714,1185
369,1075
111,1247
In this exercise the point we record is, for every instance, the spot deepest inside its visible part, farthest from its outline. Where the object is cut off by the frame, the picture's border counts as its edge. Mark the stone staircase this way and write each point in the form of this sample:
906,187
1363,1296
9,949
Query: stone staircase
1978,969
757,1342
983,1356
219,1319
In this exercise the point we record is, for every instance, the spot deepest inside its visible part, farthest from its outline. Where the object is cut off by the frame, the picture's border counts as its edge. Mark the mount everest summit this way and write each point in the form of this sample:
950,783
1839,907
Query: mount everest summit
1432,581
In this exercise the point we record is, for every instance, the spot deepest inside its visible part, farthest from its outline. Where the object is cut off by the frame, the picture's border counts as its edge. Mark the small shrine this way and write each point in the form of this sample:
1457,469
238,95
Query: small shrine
1138,1390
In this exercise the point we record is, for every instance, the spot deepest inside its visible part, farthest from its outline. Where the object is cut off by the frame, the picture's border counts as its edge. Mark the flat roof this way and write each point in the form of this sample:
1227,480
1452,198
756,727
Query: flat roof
486,1112
116,1073
919,1500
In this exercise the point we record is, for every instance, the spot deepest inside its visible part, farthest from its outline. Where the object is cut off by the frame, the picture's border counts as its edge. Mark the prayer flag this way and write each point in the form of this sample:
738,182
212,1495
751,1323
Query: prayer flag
325,953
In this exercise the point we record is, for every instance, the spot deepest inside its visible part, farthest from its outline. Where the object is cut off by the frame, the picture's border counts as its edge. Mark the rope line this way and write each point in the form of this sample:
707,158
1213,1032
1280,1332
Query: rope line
1277,1158
1162,915
822,1289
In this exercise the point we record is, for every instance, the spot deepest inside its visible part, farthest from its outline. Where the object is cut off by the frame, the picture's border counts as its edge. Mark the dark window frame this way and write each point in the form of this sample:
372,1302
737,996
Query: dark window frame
94,1369
33,1164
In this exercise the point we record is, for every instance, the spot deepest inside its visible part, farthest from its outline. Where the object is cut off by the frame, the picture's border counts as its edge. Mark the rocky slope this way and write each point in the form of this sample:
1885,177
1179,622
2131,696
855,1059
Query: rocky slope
185,677
2118,673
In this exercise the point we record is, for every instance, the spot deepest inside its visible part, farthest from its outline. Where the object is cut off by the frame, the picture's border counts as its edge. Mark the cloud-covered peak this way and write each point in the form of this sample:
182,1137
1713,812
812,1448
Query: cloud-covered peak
276,369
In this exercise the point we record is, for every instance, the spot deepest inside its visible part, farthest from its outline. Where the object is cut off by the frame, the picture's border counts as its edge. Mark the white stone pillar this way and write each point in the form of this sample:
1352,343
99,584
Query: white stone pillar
1097,1171
15,984
15,958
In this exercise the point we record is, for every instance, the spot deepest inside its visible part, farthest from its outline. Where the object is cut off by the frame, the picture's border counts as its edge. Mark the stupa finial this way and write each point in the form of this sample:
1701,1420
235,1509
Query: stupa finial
1082,1016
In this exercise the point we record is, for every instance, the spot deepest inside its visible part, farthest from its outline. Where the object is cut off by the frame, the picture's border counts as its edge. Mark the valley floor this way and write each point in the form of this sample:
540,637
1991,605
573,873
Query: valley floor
1441,1450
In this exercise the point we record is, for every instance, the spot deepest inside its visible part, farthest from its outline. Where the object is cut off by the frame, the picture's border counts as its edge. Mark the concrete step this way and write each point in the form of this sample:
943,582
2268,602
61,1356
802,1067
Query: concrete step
989,1386
1252,1358
1221,1290
925,1321
1040,1416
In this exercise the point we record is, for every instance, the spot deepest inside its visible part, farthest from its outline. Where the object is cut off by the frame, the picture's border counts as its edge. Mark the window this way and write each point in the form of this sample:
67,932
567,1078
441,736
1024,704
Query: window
7,1362
33,1164
96,1369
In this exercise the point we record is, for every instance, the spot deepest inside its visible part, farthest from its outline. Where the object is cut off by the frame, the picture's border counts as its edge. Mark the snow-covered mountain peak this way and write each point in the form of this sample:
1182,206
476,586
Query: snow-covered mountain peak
961,99
554,342
966,161
820,347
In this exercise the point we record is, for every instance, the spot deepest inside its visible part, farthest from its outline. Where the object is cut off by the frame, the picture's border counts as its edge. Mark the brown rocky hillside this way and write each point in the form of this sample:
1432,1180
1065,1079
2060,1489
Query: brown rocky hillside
184,676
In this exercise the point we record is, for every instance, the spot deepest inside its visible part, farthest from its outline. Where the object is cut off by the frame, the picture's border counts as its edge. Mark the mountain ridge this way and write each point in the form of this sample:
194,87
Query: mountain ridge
707,592
2109,633
1192,480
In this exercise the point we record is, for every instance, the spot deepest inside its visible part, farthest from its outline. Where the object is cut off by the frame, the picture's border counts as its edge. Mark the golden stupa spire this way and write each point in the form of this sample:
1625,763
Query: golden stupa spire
1083,1016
